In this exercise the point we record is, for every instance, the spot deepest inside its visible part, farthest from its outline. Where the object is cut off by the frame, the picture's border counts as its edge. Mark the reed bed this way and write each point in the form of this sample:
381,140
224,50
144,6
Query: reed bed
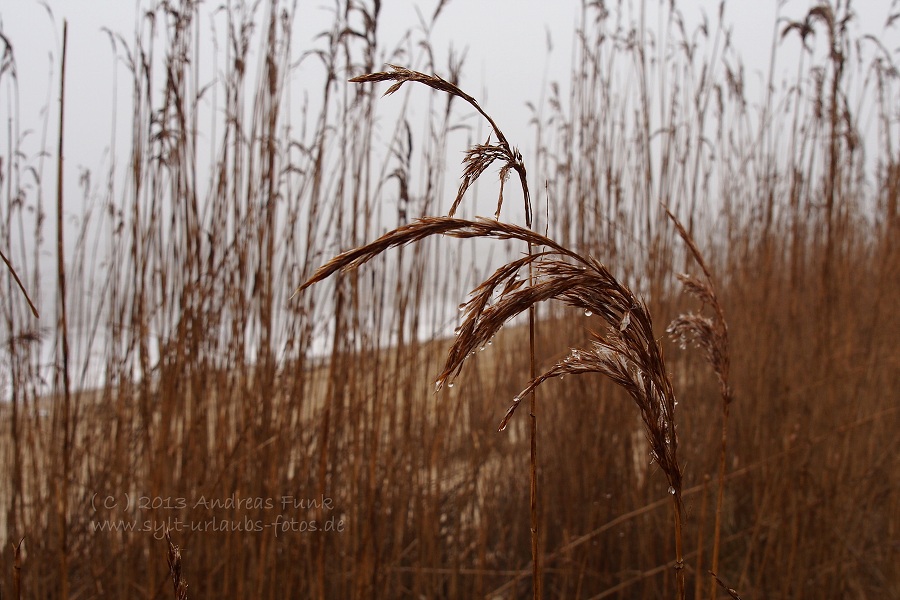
194,427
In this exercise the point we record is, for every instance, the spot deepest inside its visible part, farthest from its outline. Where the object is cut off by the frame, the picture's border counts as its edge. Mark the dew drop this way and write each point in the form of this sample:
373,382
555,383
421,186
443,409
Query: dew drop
588,312
462,307
450,385
671,490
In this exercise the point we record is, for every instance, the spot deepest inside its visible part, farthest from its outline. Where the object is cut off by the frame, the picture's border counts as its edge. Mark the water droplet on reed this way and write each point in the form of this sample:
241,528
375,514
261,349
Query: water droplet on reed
588,312
450,385
671,490
462,307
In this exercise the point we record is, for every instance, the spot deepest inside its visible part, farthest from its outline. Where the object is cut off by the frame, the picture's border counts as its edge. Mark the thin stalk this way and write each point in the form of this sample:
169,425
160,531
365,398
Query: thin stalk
17,569
63,493
532,400
698,581
720,493
679,550
18,281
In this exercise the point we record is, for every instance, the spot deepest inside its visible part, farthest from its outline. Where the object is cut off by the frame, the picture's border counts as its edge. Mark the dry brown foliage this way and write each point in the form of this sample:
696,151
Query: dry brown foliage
173,557
627,352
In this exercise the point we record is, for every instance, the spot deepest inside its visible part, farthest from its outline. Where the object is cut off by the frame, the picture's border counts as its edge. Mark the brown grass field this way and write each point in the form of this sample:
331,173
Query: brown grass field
718,411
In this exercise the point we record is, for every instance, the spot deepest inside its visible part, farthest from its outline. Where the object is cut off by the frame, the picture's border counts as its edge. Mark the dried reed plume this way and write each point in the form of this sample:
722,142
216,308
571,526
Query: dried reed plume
174,559
477,159
710,334
480,156
627,352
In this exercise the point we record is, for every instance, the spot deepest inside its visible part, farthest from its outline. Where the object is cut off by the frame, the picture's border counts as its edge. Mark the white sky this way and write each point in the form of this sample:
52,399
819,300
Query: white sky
505,42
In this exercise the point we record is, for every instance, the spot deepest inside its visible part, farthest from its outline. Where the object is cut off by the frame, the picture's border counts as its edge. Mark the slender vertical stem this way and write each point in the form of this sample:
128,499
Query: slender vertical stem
679,551
17,569
713,590
63,489
532,400
535,537
698,581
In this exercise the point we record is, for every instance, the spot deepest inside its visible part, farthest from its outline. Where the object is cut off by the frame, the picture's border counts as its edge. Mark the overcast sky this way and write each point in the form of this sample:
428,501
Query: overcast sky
505,40
506,45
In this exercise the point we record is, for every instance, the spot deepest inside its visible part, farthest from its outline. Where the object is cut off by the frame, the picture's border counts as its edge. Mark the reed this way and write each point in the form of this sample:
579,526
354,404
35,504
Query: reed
478,158
173,556
709,334
627,353
246,158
